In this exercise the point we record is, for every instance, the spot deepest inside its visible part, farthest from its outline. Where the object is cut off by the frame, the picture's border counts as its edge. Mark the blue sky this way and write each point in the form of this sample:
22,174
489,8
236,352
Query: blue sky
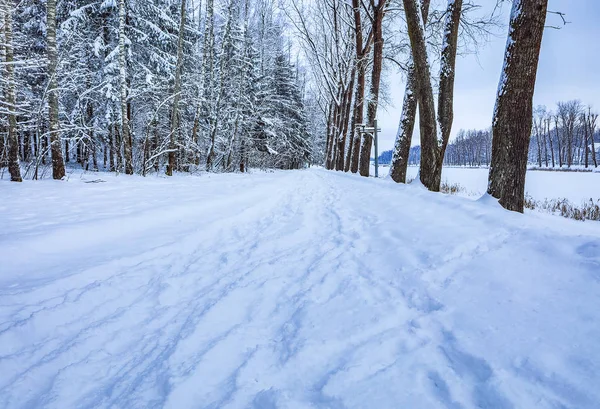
569,69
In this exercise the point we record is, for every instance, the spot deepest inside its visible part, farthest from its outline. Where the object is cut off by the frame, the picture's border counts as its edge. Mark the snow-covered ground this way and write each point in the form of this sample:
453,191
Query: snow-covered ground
291,290
574,186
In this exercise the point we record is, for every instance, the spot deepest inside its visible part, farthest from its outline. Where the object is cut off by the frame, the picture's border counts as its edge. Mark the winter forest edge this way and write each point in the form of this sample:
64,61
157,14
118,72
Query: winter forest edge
192,85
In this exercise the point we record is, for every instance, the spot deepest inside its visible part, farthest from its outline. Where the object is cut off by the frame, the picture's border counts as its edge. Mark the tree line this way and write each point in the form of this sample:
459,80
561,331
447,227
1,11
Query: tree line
344,43
151,86
179,85
562,138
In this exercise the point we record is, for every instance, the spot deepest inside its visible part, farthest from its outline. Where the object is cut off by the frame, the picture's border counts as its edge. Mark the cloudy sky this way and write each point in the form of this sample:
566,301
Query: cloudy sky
569,69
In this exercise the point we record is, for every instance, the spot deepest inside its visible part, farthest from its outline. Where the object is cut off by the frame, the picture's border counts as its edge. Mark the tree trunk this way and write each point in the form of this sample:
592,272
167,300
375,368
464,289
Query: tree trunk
58,165
125,131
560,157
543,130
593,118
333,130
330,116
13,138
406,126
378,10
359,103
550,141
446,88
427,119
345,118
214,128
514,104
176,93
586,141
359,97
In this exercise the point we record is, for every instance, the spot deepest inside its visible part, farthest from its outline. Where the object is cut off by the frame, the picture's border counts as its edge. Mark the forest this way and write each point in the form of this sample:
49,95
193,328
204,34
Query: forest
145,86
170,86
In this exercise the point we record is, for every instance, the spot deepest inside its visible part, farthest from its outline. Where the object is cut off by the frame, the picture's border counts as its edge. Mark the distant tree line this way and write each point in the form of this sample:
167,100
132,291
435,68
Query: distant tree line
563,138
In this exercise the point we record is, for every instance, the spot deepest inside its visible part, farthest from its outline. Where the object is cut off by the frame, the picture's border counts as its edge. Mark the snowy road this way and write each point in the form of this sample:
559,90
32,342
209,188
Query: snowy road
291,290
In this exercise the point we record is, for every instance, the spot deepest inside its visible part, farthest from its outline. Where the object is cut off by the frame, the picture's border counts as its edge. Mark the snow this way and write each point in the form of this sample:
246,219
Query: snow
290,290
574,186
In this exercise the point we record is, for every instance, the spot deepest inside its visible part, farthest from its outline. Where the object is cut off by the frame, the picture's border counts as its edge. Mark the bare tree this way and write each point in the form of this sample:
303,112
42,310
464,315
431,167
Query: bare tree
406,126
590,128
326,35
568,113
433,145
362,50
514,104
377,9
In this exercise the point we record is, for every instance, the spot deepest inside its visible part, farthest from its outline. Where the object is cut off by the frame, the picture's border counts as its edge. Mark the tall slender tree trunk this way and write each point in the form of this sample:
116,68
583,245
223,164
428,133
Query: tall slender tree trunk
215,115
406,126
359,103
330,117
177,93
362,50
558,140
331,145
13,138
446,87
378,8
586,143
125,131
345,119
543,130
592,124
550,141
58,165
427,119
514,104
433,145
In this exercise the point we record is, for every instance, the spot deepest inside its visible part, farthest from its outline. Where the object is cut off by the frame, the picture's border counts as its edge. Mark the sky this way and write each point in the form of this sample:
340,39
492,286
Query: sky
569,69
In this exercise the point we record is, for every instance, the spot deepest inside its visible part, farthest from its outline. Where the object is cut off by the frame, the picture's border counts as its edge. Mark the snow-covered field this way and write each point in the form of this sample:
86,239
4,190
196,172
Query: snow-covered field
574,186
291,290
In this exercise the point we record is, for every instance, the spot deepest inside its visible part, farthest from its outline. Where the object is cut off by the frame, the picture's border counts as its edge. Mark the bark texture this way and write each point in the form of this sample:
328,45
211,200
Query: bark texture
378,9
433,144
359,96
58,164
427,119
125,131
176,94
13,140
407,120
514,104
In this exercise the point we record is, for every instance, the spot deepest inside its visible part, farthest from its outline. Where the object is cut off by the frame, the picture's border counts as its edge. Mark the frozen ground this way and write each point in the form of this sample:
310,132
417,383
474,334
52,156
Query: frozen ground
291,290
574,186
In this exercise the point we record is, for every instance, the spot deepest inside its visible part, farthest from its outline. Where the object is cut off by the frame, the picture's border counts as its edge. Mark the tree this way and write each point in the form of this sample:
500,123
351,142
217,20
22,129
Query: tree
378,9
58,165
13,140
362,50
176,92
433,145
125,130
406,126
568,112
514,103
